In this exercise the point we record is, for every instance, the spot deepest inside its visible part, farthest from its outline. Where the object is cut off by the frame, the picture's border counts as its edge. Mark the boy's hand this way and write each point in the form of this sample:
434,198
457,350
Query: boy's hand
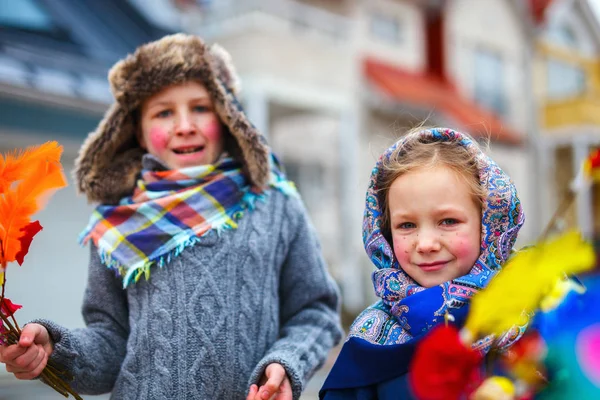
27,359
275,385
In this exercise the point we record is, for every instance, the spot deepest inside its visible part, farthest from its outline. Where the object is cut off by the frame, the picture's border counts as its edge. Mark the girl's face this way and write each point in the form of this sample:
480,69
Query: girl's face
179,126
435,225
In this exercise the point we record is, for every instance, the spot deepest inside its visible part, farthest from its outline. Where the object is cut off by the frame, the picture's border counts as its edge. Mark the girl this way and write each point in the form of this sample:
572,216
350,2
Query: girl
206,280
440,220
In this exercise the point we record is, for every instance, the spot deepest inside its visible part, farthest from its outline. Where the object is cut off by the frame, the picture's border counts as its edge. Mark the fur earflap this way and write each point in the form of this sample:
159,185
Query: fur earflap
109,161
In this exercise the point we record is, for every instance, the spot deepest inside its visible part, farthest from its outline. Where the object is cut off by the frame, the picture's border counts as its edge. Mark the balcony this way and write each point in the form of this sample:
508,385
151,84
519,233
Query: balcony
226,18
577,111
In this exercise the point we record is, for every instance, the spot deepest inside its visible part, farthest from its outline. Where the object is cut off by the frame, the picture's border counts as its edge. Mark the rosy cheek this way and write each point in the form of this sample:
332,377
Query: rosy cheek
465,246
212,129
159,137
401,248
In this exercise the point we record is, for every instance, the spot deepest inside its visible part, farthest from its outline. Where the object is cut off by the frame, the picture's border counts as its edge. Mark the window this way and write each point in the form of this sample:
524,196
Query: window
564,79
385,27
489,81
25,14
562,35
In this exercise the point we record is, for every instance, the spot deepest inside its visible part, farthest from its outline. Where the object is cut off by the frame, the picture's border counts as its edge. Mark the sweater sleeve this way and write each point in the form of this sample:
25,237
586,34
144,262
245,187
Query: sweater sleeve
93,355
309,301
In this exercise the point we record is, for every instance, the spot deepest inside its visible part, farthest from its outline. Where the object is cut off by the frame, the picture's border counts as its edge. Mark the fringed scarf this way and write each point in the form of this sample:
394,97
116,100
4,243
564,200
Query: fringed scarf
407,310
170,210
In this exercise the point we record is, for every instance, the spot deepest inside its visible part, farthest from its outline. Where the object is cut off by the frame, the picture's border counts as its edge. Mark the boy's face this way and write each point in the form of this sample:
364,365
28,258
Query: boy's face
179,126
435,225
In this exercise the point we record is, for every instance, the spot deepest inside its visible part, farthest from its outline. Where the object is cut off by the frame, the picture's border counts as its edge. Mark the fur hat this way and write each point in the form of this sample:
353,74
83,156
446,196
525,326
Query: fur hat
109,160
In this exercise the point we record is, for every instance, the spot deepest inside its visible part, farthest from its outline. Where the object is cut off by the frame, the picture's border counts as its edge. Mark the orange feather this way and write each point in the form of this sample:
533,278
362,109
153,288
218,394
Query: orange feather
38,173
19,164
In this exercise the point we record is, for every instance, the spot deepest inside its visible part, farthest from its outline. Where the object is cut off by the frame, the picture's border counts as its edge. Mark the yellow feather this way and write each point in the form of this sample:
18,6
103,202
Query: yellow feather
526,279
495,388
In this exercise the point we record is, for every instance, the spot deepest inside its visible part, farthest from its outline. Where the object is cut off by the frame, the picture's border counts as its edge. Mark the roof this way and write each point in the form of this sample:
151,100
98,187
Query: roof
538,9
64,48
440,96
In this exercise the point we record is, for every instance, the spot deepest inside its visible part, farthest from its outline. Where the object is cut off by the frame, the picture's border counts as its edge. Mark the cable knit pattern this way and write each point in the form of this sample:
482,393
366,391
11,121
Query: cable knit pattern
207,324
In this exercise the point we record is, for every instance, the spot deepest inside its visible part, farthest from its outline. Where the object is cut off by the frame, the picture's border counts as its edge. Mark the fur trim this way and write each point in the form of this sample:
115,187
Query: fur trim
109,161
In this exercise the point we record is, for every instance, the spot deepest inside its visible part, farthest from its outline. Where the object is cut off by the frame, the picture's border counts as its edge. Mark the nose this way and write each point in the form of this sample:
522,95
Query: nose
184,125
428,241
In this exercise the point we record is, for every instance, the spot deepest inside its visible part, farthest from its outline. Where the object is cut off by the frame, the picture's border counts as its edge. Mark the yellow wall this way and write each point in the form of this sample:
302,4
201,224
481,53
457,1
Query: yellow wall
583,109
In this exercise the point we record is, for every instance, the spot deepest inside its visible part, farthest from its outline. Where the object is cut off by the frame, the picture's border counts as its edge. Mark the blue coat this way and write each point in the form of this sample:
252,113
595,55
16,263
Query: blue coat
367,371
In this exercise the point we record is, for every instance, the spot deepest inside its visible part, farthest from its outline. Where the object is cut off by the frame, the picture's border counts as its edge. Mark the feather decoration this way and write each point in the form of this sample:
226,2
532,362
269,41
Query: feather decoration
28,180
524,282
19,165
591,166
443,368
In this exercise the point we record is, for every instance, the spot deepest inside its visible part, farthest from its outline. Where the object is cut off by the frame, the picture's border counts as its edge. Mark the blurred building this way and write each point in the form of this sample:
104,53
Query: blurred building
567,71
333,83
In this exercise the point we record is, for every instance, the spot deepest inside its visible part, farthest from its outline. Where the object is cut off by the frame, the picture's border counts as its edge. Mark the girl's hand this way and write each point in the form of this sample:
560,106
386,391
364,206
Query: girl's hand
275,385
27,359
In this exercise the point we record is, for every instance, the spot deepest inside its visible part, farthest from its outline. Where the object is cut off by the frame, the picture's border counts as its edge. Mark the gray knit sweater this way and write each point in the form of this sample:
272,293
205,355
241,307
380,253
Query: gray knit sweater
207,324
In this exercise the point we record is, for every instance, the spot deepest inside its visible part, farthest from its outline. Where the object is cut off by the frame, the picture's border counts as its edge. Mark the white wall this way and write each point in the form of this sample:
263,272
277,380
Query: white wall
515,163
285,57
492,25
409,53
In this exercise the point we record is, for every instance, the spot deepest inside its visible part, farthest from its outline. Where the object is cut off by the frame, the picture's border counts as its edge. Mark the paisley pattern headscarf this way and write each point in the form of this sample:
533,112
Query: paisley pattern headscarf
407,310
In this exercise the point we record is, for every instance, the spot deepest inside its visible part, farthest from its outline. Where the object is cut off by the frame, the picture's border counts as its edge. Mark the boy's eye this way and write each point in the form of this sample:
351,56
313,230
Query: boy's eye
407,225
449,221
164,114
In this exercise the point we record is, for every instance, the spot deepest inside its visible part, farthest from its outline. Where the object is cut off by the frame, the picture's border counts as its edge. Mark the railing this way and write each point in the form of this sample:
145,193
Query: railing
301,17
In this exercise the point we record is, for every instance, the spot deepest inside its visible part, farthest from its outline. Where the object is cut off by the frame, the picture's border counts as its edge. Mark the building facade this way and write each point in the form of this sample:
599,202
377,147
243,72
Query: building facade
333,83
567,72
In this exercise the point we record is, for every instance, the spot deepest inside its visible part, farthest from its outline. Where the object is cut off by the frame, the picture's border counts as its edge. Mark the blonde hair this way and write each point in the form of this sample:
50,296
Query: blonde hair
418,151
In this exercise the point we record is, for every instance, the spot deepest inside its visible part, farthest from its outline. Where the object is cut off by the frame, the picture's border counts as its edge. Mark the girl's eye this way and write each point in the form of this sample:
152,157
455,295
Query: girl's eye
200,109
449,221
407,225
164,114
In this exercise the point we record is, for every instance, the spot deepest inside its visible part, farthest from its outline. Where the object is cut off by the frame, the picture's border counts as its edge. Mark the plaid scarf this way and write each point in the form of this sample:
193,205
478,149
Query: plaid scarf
169,211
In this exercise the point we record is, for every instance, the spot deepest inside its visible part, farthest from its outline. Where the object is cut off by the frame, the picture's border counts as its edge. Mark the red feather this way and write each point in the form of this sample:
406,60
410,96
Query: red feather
29,232
8,308
442,367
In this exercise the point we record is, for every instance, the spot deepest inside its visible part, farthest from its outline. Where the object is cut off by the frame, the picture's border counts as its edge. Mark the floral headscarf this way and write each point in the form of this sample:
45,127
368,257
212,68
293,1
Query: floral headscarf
406,309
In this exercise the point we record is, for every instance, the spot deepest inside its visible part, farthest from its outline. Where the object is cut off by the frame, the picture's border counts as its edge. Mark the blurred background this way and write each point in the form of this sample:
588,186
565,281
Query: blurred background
331,83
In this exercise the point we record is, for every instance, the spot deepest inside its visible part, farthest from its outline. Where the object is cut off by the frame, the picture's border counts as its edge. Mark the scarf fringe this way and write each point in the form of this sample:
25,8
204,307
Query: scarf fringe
248,201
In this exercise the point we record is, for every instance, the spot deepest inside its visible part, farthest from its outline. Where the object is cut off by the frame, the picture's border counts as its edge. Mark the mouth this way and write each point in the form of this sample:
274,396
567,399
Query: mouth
188,149
433,266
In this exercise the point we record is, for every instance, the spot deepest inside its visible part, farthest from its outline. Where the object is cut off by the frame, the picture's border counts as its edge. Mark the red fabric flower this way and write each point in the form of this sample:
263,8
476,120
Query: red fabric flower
442,367
8,308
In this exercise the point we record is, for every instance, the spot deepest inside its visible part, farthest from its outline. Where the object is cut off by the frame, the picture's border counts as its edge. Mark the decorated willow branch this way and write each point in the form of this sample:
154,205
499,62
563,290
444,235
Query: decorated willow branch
27,179
445,365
